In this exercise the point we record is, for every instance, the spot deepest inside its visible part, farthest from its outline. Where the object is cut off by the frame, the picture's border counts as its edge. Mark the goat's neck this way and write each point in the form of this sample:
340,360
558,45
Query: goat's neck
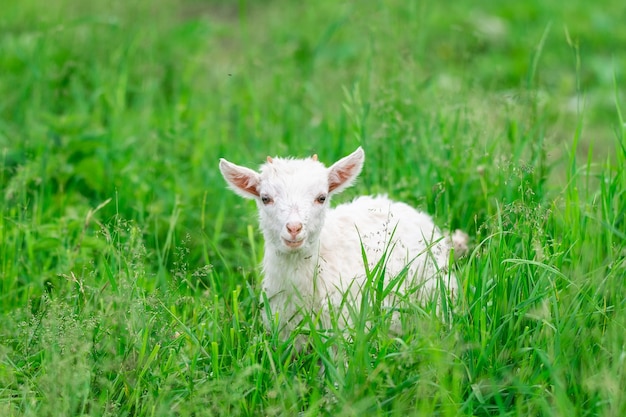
294,271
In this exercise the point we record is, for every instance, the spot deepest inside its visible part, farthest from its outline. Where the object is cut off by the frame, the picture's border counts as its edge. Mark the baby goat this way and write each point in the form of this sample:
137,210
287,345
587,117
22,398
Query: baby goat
313,261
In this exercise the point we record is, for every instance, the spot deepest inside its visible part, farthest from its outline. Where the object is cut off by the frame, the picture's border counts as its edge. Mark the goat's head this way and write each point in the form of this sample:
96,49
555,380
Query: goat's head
292,195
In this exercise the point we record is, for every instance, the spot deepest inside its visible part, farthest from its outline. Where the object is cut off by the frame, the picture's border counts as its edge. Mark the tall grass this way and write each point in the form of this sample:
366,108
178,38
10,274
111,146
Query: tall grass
130,279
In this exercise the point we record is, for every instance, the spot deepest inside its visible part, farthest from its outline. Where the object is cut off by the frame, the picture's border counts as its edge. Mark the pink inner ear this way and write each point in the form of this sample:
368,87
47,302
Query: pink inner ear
245,183
340,176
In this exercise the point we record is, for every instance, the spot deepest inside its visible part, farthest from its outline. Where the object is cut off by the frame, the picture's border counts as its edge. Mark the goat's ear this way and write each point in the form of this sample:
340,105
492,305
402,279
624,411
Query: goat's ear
343,173
241,180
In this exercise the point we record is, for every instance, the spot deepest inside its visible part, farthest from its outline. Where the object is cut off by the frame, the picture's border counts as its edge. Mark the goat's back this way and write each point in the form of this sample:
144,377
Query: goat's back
381,227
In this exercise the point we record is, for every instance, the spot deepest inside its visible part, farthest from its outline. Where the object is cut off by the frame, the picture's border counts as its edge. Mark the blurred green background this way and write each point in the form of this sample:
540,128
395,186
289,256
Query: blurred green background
136,101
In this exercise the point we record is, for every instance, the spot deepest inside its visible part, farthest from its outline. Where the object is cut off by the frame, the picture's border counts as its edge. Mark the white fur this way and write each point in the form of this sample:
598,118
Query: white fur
327,268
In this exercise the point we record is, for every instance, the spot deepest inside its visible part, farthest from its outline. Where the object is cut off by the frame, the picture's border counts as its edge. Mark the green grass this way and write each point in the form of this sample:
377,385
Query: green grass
129,274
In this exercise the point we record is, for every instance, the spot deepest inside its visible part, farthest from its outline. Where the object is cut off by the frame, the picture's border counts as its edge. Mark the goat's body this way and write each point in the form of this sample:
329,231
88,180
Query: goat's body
312,281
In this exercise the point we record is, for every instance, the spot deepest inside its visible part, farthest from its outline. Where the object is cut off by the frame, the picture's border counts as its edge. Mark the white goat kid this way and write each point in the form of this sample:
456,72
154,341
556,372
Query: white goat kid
313,258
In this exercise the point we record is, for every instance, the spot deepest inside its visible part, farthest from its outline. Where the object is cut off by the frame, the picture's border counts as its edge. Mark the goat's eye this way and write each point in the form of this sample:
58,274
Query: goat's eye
321,199
265,199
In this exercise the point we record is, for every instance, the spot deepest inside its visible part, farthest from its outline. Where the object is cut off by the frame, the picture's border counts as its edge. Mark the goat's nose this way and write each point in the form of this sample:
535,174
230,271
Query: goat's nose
294,228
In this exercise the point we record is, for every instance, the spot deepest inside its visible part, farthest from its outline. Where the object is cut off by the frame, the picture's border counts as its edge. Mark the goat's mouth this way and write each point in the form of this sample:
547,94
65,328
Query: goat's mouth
293,244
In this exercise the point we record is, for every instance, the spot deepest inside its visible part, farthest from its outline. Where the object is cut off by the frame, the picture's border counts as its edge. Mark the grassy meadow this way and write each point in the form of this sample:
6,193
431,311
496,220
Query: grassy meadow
129,277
